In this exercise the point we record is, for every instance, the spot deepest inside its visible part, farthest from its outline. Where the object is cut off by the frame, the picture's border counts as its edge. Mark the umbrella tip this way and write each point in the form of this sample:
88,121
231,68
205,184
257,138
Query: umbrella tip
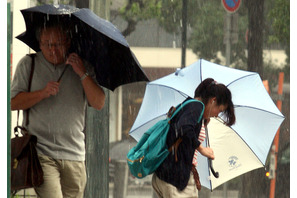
179,72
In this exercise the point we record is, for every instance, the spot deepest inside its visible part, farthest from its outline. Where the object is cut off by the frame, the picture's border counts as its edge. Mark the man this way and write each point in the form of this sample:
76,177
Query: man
57,110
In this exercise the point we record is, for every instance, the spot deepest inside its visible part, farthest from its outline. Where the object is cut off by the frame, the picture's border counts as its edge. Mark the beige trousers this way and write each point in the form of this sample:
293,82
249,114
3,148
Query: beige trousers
166,190
62,178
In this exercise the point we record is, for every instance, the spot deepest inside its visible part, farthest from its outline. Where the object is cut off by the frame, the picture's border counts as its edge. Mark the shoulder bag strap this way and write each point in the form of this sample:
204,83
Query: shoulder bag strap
30,82
29,89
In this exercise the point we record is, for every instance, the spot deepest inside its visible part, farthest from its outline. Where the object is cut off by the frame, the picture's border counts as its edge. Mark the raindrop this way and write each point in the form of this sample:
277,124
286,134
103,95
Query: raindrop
76,28
47,17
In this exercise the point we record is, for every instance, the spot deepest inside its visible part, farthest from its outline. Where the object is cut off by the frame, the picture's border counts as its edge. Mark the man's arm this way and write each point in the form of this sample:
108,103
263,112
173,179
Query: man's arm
26,100
95,94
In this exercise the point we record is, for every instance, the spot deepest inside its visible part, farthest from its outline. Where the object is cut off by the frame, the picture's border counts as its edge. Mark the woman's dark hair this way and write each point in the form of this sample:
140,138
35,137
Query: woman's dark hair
209,88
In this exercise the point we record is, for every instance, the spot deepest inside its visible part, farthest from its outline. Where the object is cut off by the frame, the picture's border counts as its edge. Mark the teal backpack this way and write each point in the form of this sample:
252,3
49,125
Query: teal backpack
151,150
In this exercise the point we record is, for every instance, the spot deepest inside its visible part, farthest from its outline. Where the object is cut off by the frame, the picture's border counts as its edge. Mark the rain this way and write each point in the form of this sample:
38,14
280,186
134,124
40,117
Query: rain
153,31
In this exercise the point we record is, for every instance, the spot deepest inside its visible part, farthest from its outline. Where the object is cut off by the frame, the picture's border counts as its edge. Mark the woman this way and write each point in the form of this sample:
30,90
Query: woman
174,177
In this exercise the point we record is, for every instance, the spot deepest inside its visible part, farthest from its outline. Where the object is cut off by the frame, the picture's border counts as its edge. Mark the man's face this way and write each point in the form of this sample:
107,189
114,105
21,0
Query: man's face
54,45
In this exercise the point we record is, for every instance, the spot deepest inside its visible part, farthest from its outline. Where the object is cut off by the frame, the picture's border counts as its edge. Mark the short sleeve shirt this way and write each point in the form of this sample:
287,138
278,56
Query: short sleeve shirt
57,121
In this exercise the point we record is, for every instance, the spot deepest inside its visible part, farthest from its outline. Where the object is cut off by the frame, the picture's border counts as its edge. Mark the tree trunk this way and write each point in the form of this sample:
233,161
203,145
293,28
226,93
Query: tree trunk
82,3
254,183
255,35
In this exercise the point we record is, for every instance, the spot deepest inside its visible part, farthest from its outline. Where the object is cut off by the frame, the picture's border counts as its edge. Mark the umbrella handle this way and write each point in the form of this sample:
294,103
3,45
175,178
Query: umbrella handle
215,174
67,65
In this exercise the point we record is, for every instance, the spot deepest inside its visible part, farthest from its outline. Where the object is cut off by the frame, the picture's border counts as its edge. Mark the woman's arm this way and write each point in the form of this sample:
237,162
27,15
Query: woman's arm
206,151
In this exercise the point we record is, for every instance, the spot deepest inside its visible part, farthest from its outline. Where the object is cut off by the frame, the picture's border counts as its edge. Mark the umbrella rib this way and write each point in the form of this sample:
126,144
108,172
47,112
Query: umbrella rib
182,93
248,146
200,70
240,78
146,123
242,140
236,106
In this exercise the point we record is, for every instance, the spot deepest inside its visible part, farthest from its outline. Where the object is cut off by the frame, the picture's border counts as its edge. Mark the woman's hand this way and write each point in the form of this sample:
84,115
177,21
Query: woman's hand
206,151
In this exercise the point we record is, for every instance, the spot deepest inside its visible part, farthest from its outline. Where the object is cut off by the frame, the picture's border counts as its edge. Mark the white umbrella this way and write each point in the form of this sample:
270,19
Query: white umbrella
257,117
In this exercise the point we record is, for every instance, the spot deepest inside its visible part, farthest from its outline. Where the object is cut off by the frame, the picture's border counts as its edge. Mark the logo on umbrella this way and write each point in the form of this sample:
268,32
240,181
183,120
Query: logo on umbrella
233,162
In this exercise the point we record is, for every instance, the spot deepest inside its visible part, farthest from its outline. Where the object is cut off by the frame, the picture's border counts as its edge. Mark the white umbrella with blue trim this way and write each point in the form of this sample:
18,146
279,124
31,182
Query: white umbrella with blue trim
238,149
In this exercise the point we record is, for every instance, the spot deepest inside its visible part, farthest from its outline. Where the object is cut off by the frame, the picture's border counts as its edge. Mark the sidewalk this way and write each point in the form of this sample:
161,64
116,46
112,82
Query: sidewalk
137,192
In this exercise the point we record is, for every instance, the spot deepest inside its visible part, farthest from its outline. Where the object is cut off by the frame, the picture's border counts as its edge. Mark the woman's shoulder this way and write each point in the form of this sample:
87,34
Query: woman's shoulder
193,104
191,111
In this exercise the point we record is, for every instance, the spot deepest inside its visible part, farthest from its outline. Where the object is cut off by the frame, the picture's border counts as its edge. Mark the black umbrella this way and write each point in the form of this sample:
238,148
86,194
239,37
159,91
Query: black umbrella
96,40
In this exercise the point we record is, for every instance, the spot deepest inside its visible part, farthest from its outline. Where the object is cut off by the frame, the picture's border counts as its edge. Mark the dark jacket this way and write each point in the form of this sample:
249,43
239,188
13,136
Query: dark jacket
185,125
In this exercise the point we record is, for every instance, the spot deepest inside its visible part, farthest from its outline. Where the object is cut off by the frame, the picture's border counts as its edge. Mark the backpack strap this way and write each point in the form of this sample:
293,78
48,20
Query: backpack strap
174,110
174,147
171,113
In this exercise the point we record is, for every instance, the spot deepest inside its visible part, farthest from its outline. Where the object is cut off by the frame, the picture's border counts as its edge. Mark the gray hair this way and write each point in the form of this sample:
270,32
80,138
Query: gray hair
45,26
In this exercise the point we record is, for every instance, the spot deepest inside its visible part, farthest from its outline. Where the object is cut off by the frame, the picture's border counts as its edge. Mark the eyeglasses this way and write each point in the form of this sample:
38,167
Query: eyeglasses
49,45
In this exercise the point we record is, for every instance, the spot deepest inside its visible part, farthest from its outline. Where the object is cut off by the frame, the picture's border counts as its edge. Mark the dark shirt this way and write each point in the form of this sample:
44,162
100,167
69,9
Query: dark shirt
185,125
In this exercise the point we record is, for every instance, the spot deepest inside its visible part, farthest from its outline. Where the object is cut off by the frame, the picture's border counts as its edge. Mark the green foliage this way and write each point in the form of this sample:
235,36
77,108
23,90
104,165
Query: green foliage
65,2
280,16
171,14
206,24
141,10
208,31
207,38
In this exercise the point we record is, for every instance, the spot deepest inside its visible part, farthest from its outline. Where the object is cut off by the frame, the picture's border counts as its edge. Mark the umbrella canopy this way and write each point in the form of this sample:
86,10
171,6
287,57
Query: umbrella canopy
257,117
94,39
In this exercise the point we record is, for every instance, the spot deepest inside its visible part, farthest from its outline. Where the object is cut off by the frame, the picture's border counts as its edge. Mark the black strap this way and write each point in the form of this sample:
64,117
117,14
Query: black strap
29,87
67,65
30,82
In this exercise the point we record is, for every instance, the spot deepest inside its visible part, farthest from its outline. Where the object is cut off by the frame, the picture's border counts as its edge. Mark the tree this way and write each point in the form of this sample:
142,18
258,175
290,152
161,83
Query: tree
280,17
255,35
207,38
82,3
208,31
137,10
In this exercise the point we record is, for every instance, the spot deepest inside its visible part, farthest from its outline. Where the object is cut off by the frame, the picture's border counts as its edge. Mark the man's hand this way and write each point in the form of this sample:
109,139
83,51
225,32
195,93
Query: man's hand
51,89
25,100
77,64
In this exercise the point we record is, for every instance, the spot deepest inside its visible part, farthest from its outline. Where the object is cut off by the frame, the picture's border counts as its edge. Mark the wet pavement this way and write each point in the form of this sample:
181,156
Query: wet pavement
142,191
